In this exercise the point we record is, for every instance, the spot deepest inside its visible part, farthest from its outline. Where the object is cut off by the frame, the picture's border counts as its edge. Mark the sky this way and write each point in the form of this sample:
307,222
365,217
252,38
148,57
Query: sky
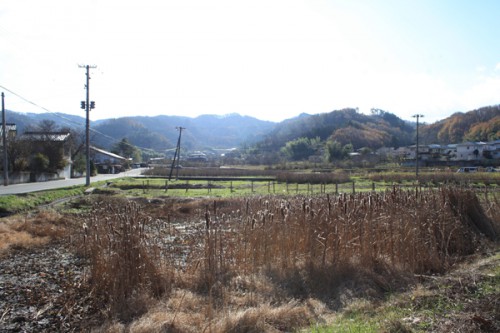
270,59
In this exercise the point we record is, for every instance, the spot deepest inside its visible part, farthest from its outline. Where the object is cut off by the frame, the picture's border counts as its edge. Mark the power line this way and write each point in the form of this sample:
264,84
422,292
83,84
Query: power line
57,114
110,139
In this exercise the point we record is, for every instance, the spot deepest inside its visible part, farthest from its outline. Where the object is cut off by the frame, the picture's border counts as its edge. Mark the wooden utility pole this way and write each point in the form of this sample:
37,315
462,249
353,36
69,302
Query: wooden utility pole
4,142
177,155
87,105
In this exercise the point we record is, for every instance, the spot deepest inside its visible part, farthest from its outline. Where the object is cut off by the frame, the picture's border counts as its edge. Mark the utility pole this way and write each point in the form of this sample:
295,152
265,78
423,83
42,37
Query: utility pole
87,105
416,151
4,142
177,155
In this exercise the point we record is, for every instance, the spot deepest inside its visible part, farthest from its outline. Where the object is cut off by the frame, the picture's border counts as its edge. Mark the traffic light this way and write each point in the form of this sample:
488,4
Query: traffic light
92,104
82,105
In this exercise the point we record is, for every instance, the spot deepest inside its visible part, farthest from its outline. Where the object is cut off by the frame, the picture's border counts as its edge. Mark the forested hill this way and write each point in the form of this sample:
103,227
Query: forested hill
346,126
202,132
158,132
478,125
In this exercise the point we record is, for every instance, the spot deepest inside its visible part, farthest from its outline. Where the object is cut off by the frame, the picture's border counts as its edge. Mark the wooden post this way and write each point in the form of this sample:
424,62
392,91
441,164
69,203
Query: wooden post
252,185
187,185
336,188
353,187
166,185
373,186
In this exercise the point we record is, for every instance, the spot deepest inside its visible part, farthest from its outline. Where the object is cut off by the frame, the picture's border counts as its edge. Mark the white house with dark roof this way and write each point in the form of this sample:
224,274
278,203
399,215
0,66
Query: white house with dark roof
468,151
107,162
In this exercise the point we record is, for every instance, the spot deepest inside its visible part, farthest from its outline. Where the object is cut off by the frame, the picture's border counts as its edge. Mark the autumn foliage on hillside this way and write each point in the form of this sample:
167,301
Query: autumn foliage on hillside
478,125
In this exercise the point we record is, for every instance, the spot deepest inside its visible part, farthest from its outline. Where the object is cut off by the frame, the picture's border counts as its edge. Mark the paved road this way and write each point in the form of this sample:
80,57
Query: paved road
34,187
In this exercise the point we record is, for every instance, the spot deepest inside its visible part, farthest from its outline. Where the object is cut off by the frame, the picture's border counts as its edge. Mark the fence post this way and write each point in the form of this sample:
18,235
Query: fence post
353,187
231,186
166,185
252,185
187,185
336,188
274,188
373,186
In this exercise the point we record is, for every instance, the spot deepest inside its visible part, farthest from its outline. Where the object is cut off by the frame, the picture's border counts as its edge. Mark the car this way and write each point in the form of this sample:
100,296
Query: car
467,169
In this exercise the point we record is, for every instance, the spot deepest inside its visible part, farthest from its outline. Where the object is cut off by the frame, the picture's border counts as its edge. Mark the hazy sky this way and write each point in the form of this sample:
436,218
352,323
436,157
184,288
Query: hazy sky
271,59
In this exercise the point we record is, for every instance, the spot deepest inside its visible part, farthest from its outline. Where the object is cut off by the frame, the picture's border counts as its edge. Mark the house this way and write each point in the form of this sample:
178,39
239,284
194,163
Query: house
107,162
56,146
11,130
423,152
469,151
197,156
449,152
495,149
435,152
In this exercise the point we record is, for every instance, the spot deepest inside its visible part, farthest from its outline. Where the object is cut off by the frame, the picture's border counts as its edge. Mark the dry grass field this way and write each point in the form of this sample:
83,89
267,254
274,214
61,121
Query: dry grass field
271,263
256,264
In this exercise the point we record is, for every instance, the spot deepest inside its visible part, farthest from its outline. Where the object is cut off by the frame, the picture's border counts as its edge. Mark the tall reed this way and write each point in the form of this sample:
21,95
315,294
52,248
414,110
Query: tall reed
124,260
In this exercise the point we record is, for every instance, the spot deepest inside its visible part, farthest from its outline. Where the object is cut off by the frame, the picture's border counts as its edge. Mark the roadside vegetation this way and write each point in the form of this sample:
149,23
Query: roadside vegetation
10,204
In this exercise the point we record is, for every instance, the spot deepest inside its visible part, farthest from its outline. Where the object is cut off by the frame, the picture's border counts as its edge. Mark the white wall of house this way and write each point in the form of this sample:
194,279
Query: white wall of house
465,151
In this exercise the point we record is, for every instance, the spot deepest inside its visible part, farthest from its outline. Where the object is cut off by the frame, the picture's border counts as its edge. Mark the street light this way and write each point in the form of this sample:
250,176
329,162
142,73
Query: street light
418,116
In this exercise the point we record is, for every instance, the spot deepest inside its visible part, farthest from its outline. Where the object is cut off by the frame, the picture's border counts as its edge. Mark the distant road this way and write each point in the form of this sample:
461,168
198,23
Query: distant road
50,185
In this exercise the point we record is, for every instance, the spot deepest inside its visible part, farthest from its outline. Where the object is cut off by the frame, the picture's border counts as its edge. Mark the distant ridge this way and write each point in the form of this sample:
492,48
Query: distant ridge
159,132
203,132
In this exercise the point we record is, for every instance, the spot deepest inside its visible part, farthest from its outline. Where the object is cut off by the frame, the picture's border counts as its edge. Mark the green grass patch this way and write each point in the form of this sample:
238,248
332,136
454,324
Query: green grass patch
426,307
358,323
21,202
151,187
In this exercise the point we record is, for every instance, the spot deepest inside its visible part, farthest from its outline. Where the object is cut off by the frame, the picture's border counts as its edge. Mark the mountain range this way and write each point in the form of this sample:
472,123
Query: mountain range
380,128
160,132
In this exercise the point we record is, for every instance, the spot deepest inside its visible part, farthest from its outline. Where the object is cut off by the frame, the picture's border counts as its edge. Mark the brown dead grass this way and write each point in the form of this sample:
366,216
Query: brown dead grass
31,231
255,264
